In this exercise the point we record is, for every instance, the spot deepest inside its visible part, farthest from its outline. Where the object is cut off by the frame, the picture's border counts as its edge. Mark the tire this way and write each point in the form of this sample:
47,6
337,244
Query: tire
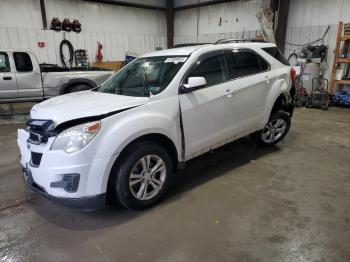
134,161
308,103
325,106
78,88
278,121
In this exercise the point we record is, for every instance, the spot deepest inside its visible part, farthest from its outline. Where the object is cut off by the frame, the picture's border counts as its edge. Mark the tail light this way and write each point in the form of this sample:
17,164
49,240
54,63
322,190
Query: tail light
293,73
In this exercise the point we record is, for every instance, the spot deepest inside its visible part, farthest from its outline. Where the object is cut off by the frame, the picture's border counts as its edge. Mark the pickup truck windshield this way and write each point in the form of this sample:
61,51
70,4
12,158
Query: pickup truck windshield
144,76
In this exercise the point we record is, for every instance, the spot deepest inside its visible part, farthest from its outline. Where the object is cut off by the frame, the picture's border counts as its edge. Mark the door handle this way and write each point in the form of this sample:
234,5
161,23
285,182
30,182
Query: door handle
7,78
267,79
228,93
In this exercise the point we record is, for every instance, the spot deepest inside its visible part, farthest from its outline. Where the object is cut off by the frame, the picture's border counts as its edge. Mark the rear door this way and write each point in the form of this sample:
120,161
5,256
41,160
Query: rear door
250,86
8,85
206,113
28,75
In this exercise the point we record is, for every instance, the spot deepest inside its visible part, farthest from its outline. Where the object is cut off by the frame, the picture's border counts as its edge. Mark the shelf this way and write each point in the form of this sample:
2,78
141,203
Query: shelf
343,60
345,37
342,81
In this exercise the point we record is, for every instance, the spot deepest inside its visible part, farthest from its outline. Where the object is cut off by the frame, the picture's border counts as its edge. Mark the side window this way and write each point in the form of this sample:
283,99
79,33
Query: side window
4,62
23,62
246,63
212,67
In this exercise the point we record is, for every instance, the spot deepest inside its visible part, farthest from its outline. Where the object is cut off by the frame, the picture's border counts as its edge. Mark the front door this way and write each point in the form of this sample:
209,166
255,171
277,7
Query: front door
8,85
28,76
206,113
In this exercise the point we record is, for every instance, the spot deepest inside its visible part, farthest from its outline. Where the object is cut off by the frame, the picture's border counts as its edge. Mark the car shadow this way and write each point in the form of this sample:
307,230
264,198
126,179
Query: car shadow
198,171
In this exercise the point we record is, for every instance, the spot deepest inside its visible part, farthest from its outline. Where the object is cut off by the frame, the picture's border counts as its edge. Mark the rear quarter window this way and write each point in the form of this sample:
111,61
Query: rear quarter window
246,63
274,52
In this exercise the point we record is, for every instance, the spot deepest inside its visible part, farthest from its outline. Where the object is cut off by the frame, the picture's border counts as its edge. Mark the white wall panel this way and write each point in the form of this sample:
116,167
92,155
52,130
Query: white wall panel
179,3
308,20
20,14
119,29
317,12
96,17
210,23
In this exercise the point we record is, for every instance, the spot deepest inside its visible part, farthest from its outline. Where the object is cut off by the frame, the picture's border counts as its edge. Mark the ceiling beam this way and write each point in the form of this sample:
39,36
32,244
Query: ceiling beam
170,22
43,13
282,20
127,4
202,4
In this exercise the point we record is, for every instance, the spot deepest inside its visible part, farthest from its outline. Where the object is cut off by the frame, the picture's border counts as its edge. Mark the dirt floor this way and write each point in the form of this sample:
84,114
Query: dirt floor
241,203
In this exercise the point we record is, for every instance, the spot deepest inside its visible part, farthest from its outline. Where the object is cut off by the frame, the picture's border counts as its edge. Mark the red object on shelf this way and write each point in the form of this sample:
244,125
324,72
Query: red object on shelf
56,24
66,25
76,26
99,56
41,44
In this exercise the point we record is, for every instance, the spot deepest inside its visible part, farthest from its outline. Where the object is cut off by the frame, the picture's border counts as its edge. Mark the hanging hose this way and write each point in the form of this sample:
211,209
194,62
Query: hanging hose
71,53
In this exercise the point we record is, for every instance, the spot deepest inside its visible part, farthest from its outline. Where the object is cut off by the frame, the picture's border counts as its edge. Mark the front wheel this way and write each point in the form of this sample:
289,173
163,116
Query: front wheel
274,131
143,175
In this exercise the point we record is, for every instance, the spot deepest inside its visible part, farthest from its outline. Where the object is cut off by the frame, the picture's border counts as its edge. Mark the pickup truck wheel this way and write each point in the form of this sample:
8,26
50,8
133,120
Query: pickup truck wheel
274,131
78,88
143,175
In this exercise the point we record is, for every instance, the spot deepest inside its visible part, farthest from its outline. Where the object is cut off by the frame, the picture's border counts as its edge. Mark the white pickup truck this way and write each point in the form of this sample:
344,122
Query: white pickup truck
126,138
22,78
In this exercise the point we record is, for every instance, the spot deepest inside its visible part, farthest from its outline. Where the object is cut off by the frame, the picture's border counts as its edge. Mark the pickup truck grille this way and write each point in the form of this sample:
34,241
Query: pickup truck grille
36,158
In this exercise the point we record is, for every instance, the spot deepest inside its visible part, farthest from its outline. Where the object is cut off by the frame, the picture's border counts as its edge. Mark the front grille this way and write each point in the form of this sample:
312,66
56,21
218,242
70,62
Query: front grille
40,130
37,138
36,158
34,137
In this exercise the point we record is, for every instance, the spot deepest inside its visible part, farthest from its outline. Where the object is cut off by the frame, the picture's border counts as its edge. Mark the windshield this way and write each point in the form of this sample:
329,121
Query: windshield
144,76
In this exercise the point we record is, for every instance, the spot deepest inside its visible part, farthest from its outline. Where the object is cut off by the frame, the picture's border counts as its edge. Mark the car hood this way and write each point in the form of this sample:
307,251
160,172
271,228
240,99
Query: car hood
83,104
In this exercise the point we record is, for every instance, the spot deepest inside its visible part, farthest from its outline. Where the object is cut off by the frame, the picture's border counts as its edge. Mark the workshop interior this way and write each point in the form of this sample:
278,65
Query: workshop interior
172,130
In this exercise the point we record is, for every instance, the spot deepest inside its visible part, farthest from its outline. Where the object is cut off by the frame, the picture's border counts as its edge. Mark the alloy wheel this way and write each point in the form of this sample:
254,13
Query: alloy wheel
147,177
273,130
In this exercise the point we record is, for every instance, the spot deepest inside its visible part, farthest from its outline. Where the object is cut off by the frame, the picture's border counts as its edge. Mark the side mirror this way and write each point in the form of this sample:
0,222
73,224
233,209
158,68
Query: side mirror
193,83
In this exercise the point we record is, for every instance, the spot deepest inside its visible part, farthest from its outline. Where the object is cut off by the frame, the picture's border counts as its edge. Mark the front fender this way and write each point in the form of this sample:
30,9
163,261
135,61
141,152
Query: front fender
121,129
118,131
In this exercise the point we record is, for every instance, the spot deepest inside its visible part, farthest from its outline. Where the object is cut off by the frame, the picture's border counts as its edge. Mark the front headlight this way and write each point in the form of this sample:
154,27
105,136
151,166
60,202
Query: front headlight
76,138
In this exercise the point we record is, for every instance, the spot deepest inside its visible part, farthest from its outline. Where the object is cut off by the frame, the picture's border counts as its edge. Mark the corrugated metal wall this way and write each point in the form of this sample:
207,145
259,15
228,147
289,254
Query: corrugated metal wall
119,29
309,19
208,24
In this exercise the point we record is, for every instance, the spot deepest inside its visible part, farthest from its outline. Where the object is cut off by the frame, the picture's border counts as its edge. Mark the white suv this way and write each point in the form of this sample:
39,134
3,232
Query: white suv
125,138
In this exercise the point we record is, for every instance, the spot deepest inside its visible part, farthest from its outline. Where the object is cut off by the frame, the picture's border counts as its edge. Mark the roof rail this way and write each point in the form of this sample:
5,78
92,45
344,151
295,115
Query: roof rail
189,44
226,41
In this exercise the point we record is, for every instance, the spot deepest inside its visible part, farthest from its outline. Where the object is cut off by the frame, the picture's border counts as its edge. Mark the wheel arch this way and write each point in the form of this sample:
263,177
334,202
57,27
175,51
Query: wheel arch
74,82
279,98
284,103
157,138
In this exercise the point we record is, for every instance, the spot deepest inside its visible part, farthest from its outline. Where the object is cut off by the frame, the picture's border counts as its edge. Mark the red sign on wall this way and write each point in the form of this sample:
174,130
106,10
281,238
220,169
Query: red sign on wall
41,44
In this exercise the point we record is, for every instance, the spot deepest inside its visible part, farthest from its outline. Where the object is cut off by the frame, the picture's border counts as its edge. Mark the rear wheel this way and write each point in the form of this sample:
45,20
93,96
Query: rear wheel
274,131
143,175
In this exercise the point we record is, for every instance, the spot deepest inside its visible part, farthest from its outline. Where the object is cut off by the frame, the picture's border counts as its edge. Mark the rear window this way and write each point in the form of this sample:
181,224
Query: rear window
273,51
23,62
